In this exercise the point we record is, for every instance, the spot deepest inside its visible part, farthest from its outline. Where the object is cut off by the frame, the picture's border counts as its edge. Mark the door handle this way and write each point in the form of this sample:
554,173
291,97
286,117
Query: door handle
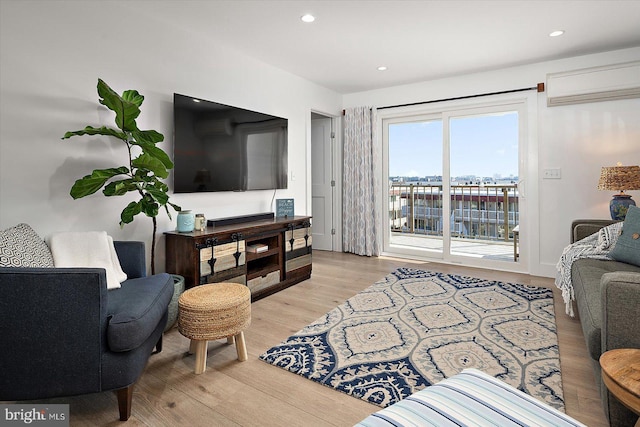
522,189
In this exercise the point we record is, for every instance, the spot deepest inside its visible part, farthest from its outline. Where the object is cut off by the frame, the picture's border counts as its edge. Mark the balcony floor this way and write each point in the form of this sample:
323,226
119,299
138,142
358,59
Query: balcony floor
498,250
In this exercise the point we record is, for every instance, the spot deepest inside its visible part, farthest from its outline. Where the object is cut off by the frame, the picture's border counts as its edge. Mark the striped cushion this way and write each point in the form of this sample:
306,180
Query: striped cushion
470,398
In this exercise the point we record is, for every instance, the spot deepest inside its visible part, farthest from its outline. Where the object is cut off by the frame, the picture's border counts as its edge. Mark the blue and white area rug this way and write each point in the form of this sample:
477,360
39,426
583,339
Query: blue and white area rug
416,327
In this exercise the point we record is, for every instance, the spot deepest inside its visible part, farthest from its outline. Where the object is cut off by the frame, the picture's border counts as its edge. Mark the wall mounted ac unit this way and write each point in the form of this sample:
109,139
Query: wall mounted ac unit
606,83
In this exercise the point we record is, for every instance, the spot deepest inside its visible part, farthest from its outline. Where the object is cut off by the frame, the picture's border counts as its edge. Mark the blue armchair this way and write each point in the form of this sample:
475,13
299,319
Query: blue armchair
62,333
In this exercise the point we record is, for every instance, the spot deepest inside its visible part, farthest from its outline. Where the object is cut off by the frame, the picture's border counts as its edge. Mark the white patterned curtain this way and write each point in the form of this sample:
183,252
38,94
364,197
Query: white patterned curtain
360,186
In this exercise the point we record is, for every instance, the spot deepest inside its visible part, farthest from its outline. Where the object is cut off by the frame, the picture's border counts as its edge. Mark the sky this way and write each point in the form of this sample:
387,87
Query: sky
484,146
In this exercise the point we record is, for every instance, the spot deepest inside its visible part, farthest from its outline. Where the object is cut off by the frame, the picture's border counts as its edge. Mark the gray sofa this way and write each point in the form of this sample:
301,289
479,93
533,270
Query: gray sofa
607,295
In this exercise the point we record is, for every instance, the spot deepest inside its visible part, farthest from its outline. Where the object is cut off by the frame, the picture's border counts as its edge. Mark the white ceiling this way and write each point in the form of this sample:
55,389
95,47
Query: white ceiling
416,40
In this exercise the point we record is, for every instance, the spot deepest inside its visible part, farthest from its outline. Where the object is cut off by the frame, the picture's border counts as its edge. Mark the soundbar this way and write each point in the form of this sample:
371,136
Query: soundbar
240,219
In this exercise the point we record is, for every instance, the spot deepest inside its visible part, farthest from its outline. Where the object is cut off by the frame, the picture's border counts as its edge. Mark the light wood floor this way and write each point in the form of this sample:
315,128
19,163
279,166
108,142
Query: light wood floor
253,393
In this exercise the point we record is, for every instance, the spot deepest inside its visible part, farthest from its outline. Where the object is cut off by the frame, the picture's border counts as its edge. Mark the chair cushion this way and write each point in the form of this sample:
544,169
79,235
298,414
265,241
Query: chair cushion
135,309
20,246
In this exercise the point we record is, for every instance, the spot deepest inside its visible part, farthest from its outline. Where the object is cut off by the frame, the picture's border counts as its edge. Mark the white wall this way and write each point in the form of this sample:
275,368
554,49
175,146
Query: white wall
579,139
52,54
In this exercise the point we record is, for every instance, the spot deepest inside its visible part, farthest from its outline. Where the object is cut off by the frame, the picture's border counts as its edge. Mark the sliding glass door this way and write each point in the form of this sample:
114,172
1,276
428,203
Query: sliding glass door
415,183
483,177
453,183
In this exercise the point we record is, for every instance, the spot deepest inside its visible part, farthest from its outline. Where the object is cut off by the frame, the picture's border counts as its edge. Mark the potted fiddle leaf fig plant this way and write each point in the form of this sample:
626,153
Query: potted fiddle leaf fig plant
148,164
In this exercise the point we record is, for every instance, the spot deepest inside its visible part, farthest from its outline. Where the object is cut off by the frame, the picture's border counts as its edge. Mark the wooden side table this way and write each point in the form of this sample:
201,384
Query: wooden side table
621,375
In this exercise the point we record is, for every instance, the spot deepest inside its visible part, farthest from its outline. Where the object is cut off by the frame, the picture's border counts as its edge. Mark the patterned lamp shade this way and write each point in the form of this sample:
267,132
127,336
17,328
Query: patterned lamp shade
620,178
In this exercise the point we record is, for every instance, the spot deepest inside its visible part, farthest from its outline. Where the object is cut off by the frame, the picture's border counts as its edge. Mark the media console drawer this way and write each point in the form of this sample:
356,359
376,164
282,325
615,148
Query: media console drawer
224,255
267,255
298,246
298,262
262,282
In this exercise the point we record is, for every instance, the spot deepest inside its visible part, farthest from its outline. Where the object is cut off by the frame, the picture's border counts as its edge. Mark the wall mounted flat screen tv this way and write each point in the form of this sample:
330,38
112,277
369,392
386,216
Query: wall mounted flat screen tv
218,147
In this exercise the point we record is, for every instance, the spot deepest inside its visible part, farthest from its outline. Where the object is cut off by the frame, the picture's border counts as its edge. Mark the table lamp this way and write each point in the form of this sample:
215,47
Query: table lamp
620,178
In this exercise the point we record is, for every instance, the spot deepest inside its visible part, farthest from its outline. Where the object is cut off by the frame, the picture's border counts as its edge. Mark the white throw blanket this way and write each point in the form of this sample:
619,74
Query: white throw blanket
88,249
596,246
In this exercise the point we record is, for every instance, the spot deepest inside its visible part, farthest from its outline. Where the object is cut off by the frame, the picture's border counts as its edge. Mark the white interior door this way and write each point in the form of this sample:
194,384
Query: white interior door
322,191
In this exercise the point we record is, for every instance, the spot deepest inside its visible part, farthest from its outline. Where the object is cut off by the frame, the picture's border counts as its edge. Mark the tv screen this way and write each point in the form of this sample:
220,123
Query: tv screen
218,147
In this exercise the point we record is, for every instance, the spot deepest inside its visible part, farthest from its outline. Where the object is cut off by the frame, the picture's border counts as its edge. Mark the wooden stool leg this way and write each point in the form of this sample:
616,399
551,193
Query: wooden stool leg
201,356
193,345
241,348
230,340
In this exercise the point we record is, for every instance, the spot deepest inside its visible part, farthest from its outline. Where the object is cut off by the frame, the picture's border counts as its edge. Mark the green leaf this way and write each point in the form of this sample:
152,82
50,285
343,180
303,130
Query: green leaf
149,136
90,130
126,111
133,96
119,188
149,206
144,176
160,196
148,162
161,186
89,184
158,153
132,209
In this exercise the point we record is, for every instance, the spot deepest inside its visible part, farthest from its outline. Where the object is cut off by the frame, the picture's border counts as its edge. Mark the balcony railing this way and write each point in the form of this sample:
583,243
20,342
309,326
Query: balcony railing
485,212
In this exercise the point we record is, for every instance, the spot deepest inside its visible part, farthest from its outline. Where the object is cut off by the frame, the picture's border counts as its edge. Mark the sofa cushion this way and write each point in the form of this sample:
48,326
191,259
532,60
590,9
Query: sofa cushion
627,248
20,246
586,277
135,309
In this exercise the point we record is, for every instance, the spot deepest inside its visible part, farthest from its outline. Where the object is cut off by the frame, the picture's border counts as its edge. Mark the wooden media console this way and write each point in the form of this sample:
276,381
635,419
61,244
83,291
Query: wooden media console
267,255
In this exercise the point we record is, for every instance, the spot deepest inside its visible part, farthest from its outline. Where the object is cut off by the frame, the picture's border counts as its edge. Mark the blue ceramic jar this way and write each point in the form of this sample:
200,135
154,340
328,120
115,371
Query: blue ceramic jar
186,221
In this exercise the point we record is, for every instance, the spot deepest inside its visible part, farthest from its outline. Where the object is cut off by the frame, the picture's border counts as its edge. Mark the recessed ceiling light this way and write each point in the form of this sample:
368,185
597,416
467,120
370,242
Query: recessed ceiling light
308,18
196,100
382,68
556,33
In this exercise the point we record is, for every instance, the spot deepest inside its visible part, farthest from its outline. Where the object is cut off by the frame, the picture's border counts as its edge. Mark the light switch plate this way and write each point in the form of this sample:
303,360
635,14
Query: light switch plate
552,173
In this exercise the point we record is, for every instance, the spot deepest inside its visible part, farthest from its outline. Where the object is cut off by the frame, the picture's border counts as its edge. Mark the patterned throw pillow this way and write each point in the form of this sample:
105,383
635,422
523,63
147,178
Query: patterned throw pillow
627,248
20,246
608,236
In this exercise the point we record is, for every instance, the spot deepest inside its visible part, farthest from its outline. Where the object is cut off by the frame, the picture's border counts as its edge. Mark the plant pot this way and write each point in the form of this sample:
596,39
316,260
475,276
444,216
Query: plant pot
178,289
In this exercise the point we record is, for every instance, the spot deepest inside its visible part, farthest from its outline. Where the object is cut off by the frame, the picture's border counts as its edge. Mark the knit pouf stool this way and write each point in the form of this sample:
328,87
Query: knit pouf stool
211,312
